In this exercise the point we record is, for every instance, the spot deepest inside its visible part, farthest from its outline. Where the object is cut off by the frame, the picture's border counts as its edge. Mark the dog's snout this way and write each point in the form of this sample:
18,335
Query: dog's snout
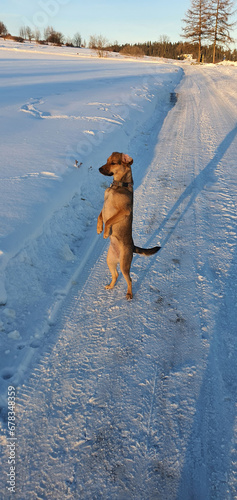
105,170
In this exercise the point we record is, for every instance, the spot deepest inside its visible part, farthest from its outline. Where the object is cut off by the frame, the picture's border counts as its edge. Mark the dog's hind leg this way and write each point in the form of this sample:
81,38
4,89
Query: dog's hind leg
125,264
112,261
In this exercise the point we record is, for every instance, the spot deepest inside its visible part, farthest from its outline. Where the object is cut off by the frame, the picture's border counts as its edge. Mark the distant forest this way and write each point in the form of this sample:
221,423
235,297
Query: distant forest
178,50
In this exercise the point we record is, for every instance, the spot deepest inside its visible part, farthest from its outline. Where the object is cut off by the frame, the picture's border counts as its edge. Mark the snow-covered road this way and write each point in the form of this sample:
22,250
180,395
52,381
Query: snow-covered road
137,400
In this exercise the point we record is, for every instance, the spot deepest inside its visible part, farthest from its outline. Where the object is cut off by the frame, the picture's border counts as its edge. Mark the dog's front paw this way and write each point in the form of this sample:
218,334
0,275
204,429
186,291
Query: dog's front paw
106,231
99,227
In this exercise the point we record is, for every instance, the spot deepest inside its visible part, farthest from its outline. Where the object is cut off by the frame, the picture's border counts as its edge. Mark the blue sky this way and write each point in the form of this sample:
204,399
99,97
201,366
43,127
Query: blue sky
125,21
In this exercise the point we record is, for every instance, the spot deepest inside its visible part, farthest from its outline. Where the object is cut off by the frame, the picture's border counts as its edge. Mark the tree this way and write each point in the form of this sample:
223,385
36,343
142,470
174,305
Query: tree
37,34
221,11
52,36
197,23
26,33
3,29
93,42
99,43
29,33
22,32
77,40
164,43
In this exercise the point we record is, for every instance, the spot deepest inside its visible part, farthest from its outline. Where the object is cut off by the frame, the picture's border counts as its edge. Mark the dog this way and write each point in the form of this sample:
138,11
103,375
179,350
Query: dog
116,216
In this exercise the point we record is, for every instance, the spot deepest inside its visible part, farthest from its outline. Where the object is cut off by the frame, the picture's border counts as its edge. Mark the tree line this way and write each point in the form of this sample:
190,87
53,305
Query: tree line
177,50
50,36
206,32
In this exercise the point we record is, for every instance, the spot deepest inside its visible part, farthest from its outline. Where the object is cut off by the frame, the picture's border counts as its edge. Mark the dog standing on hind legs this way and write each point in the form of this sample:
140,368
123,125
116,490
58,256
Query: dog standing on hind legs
116,216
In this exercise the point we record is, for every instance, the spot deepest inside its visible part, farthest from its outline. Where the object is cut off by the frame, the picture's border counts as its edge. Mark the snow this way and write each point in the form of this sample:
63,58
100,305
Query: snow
118,399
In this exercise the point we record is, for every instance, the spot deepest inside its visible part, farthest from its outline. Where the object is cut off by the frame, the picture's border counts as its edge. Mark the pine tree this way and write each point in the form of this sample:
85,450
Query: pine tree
197,23
221,11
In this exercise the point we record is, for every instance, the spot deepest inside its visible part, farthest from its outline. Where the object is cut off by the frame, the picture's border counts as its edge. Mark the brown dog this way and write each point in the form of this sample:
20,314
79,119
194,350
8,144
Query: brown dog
117,215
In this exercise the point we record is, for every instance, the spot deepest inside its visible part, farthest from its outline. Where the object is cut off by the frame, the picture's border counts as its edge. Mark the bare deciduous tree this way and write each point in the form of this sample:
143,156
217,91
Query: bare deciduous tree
99,43
92,42
52,36
197,23
77,40
221,12
37,34
22,32
29,33
3,29
47,32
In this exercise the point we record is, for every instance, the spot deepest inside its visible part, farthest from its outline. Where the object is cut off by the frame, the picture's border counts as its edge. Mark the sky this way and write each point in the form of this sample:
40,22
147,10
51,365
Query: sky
125,21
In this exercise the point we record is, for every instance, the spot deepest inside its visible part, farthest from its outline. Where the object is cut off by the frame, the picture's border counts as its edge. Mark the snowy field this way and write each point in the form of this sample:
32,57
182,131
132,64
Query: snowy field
115,399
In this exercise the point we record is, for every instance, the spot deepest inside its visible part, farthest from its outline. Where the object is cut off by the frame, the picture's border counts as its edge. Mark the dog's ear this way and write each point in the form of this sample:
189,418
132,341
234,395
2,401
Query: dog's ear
127,159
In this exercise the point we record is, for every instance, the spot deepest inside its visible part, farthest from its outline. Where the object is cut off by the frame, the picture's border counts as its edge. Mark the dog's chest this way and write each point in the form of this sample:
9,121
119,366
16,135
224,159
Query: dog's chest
115,201
109,207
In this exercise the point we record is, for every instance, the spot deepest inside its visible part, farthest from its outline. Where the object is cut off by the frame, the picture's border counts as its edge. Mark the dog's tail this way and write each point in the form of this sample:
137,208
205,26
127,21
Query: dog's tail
145,251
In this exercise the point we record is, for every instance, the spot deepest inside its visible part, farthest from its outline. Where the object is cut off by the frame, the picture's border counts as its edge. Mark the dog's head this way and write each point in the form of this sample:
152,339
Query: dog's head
117,163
